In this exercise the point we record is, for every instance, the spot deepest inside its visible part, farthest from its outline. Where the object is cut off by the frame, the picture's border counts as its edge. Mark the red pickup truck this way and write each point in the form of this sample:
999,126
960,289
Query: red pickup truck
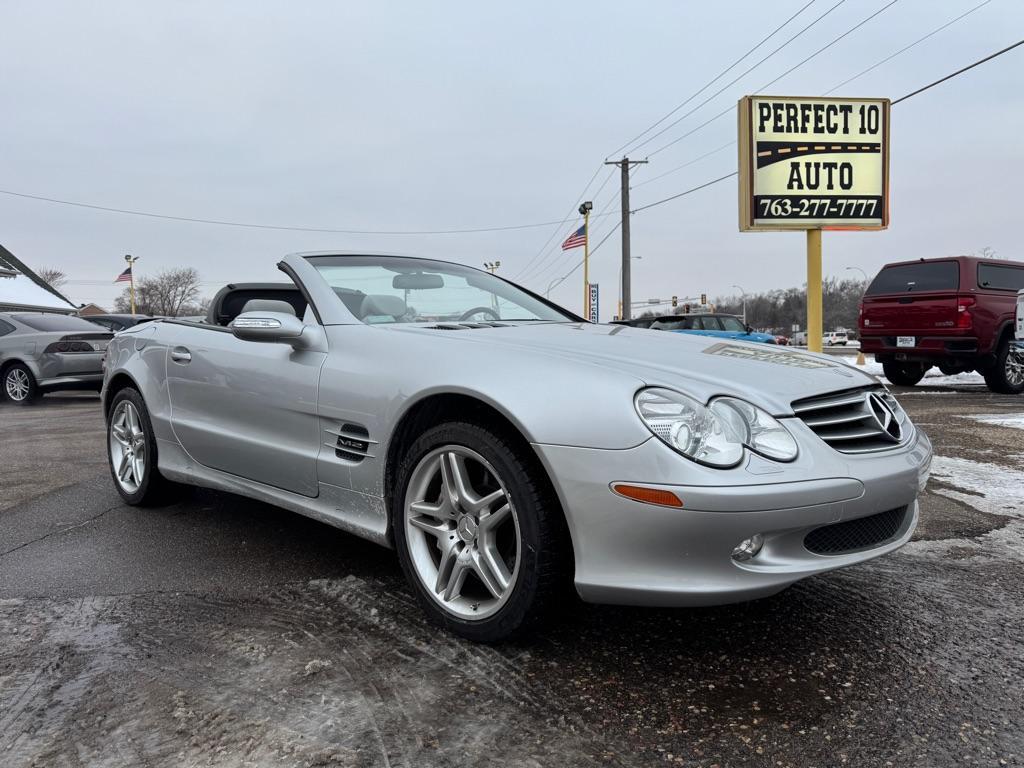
955,313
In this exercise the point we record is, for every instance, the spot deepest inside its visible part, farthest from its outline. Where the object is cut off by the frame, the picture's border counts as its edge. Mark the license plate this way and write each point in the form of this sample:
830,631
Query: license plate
906,341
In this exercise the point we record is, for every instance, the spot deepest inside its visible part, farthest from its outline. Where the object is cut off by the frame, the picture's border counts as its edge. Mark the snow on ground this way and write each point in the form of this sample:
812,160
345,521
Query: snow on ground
934,377
986,487
1013,420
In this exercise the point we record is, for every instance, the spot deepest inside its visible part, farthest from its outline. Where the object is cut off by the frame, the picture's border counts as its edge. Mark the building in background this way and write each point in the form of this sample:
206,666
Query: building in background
91,309
22,289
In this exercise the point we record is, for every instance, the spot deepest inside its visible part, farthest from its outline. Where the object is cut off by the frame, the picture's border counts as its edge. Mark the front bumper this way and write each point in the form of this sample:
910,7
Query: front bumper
640,554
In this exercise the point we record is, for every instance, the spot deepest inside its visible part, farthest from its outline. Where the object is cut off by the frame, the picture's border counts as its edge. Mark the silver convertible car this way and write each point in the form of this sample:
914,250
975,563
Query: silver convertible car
509,450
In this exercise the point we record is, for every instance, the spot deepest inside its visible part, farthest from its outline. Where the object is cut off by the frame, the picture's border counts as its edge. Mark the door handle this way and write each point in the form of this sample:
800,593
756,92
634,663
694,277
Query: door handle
181,355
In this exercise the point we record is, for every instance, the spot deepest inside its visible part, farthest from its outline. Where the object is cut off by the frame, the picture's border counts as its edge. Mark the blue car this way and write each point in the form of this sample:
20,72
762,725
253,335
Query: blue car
722,326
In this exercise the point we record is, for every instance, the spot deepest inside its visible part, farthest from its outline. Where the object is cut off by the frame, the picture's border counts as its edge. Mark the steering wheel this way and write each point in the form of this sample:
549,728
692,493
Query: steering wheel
480,311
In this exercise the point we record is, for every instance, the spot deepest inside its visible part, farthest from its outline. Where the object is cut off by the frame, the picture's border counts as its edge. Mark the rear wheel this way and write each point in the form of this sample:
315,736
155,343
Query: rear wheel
1006,375
904,374
478,534
131,449
19,385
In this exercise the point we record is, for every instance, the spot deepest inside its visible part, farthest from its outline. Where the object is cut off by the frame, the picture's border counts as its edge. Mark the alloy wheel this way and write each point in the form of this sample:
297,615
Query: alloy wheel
462,531
127,447
1014,367
17,384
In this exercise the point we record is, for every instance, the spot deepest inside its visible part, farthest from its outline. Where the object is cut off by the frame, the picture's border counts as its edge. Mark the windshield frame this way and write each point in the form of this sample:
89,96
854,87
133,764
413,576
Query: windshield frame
387,261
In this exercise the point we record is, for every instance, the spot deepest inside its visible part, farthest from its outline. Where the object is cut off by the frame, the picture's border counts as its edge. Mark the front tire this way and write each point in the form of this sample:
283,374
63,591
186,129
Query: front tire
19,385
479,535
1006,376
904,374
131,451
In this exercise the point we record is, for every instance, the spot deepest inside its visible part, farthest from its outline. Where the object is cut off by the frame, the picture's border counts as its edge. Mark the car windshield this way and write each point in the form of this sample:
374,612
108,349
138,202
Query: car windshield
53,322
394,289
732,323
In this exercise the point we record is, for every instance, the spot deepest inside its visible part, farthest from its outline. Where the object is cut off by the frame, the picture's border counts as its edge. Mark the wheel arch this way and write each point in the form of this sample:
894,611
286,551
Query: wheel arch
118,381
440,407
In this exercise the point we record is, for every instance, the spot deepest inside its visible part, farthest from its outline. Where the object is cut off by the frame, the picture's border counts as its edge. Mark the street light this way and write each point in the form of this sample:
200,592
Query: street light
632,258
492,266
861,271
744,302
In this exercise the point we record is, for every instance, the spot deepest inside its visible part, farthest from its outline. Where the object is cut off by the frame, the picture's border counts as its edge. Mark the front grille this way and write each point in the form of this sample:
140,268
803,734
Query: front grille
854,421
852,535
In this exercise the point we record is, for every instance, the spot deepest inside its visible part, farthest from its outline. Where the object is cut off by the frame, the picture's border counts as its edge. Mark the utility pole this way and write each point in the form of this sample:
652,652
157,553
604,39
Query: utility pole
585,209
624,165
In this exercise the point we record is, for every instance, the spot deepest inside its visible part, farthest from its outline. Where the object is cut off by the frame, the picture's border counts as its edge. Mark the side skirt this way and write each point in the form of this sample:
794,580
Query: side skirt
357,513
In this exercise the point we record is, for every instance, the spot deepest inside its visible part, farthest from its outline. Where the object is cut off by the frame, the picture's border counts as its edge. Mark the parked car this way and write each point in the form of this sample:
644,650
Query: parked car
956,313
694,470
117,322
835,339
710,324
636,322
42,352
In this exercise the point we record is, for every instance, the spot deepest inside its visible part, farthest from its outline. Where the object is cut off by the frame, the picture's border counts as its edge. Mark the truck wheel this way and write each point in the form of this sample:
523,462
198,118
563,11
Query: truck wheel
904,374
1006,375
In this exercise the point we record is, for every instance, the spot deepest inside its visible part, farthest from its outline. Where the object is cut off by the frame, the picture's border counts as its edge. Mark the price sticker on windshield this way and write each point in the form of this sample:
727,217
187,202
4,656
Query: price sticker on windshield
813,163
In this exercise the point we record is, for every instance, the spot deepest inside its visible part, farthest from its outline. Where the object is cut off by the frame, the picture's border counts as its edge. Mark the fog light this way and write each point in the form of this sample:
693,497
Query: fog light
748,548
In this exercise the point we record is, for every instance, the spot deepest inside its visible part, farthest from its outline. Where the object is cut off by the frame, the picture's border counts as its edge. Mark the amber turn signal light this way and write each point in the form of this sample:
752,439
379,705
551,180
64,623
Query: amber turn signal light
648,495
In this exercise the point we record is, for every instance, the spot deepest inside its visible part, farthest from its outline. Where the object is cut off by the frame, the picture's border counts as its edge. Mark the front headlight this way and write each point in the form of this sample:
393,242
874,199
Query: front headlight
758,430
689,427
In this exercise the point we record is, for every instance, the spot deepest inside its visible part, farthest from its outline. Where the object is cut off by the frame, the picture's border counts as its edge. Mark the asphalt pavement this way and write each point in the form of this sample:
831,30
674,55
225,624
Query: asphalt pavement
220,631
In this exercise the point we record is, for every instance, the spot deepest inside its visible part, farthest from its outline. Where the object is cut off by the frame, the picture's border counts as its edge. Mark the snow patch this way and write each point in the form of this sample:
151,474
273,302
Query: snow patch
1012,420
934,377
985,487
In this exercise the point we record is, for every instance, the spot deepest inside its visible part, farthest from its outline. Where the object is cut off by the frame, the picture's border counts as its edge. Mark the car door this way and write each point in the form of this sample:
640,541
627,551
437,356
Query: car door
244,407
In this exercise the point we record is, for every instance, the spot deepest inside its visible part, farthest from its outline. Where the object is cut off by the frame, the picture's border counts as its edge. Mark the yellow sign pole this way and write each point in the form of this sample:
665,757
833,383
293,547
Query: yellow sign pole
815,332
586,264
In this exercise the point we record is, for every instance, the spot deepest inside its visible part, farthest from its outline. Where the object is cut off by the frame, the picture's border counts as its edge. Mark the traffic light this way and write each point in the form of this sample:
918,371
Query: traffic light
703,299
686,309
675,301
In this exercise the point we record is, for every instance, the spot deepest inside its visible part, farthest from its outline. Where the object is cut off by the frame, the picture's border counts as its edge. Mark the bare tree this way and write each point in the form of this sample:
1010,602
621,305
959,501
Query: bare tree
172,292
54,277
988,252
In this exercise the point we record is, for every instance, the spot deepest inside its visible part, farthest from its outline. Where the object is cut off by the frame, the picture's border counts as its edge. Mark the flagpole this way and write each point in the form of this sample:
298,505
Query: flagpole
585,209
131,278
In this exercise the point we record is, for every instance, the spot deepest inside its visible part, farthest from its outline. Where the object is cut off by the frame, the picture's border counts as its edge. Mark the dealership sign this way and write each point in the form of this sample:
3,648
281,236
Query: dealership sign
813,163
595,309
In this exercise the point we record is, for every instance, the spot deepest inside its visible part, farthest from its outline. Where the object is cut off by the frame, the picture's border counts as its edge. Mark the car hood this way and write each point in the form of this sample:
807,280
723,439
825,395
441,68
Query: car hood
701,366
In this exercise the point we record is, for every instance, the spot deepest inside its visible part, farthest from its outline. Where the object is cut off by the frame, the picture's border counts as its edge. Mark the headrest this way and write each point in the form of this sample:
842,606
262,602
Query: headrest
268,305
377,305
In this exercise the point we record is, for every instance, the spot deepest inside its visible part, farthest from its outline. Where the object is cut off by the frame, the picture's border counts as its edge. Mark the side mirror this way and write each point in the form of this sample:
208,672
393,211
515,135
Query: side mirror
749,329
269,327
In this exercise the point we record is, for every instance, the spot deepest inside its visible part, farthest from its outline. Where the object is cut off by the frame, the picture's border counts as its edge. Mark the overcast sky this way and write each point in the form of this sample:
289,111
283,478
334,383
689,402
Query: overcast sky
425,116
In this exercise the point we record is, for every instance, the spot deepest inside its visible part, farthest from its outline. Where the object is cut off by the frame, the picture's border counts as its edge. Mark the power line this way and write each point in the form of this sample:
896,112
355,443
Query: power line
249,225
735,80
716,78
830,90
960,71
787,72
895,102
560,224
919,40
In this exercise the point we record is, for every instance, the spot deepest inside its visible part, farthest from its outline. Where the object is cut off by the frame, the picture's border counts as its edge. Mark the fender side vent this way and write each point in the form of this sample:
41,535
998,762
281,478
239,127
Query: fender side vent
350,442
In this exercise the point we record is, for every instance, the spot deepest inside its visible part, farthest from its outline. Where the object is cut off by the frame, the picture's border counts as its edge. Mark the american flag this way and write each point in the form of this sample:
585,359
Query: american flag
125,277
576,239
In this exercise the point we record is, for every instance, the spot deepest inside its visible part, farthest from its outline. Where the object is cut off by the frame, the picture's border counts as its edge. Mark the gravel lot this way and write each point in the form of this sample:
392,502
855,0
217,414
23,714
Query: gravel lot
220,631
